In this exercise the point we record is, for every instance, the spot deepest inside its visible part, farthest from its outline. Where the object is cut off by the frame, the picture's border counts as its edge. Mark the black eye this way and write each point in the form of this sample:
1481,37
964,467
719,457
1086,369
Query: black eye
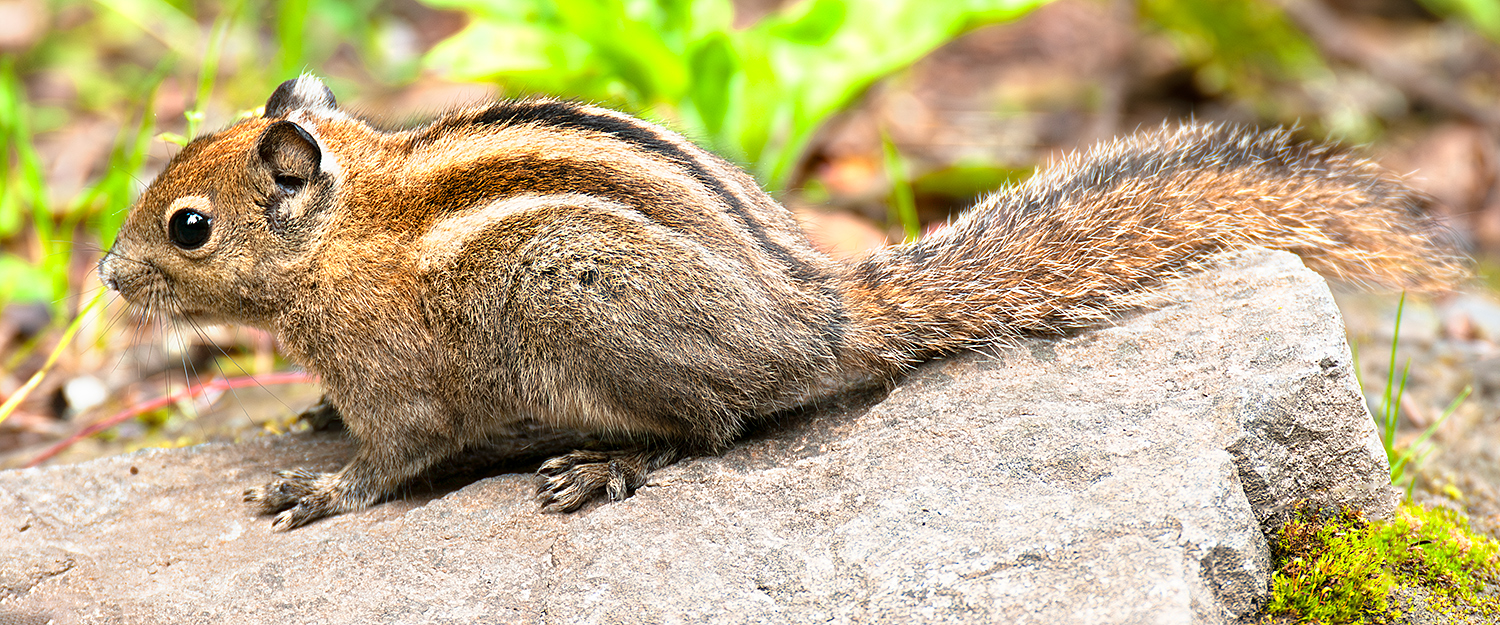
189,229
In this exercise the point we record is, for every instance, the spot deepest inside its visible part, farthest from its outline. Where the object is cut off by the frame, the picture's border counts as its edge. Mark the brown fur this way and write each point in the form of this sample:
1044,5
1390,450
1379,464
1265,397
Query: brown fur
550,261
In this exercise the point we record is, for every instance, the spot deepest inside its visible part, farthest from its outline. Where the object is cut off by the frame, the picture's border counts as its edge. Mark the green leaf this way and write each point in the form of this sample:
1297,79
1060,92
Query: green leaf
714,67
488,49
814,23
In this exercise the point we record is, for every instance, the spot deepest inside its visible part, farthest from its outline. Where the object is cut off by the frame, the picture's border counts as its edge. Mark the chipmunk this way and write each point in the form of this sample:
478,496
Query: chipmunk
559,262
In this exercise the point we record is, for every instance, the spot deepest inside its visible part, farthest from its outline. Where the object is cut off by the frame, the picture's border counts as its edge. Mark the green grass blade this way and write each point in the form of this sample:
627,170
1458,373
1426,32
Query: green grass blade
1412,449
1391,410
20,395
903,201
210,70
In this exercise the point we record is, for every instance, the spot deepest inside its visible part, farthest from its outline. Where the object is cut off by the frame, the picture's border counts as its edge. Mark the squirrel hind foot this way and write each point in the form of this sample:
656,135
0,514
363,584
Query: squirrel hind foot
571,480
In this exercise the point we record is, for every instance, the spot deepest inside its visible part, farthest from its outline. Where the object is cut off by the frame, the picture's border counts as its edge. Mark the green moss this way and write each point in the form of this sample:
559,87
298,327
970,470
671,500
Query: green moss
1342,568
1328,573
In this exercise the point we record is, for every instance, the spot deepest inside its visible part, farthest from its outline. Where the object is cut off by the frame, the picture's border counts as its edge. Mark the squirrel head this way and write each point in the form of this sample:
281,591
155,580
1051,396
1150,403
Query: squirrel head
231,213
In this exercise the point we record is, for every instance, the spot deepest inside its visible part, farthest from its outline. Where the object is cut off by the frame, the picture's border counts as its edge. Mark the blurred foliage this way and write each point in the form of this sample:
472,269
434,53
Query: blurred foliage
755,95
1248,51
1483,15
1239,47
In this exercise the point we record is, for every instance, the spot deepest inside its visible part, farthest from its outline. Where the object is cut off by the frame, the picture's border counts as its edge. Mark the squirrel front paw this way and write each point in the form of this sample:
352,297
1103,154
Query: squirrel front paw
299,496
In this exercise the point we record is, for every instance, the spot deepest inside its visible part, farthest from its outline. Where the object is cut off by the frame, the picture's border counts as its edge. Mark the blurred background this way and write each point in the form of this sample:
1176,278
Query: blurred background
872,119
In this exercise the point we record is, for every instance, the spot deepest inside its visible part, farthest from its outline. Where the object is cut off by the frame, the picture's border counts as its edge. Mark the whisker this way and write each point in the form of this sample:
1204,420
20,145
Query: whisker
134,339
187,359
234,393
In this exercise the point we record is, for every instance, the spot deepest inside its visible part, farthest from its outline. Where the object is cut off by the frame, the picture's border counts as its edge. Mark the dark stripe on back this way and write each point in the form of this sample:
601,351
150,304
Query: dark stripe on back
472,184
558,114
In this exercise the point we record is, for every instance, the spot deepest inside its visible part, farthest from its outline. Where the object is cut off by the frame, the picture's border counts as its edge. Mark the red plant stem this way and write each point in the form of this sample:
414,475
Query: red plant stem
222,384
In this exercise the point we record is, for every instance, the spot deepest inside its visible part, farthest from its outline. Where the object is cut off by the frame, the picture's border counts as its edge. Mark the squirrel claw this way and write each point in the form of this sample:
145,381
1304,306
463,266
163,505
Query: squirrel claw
296,517
285,492
571,480
295,497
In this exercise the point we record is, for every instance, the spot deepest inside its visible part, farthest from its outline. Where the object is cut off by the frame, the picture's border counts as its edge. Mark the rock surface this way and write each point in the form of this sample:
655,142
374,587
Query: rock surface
1124,475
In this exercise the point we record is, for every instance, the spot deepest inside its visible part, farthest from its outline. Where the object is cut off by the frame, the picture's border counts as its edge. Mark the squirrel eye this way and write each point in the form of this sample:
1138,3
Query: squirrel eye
189,229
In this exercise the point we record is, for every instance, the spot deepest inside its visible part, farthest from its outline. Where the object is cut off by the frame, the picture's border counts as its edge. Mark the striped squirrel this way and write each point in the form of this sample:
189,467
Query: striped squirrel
558,262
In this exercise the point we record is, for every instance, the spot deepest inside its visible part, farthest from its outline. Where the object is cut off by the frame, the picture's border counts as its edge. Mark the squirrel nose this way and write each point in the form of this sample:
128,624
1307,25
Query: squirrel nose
107,270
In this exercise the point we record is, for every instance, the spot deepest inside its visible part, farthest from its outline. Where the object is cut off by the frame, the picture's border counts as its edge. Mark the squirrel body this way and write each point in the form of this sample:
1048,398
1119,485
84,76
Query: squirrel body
568,264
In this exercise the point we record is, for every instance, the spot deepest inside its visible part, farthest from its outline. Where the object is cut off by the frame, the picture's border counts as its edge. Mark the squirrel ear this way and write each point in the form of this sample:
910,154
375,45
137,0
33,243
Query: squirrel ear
304,92
290,152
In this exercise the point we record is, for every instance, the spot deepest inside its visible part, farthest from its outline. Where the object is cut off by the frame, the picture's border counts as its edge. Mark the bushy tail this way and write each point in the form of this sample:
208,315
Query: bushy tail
1084,239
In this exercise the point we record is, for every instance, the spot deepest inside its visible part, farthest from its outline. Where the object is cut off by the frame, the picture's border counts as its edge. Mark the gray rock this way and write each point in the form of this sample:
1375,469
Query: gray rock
1124,475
